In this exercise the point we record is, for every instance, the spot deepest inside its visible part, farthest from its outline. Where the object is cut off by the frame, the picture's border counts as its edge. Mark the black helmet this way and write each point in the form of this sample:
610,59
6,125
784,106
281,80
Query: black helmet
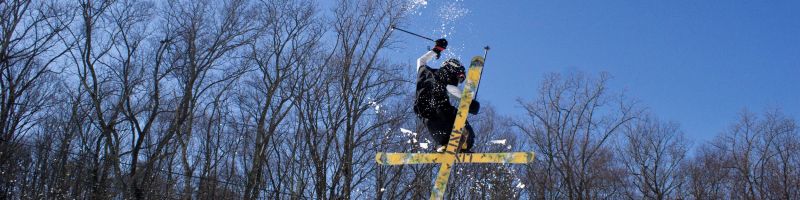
452,72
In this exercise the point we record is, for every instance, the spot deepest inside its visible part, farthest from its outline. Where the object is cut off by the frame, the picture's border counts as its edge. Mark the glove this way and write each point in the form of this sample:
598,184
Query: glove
474,107
441,45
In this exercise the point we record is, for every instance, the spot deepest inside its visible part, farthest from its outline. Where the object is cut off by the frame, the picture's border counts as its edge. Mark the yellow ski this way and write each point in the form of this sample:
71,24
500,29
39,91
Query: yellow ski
449,156
431,158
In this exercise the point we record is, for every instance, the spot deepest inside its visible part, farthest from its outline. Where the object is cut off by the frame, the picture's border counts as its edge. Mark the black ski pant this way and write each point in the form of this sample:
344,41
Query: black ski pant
440,126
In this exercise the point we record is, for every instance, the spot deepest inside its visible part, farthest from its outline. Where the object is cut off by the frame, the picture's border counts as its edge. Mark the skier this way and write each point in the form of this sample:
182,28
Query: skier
432,103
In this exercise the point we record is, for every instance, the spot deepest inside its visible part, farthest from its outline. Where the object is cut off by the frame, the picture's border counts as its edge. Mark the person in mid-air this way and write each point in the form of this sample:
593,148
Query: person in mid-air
432,103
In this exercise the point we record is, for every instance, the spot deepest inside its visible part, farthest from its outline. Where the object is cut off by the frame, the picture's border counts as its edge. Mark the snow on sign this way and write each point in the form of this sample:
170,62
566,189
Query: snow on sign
451,156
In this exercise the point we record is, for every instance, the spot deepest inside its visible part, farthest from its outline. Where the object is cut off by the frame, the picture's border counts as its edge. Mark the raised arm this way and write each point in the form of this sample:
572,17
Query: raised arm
423,60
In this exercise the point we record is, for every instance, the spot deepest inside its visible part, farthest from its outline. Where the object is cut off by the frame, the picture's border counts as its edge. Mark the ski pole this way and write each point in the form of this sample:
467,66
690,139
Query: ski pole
409,32
485,53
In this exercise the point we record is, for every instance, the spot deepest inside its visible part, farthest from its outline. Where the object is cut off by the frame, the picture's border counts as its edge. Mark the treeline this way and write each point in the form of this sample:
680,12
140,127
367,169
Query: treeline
593,144
280,99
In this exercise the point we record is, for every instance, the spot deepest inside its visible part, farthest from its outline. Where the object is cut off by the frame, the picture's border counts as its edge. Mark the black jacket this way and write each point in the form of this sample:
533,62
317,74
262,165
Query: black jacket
431,96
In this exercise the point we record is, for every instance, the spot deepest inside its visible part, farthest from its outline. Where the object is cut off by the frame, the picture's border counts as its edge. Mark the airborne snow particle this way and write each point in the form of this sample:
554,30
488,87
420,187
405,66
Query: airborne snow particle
520,185
376,105
408,132
414,5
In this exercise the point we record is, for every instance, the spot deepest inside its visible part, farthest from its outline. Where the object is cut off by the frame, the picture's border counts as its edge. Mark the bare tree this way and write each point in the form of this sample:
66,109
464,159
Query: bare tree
362,30
653,153
570,126
287,46
708,176
110,59
29,49
401,182
205,32
759,152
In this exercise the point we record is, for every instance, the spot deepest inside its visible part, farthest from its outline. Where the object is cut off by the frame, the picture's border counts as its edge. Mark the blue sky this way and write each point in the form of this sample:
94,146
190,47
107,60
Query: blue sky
698,63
